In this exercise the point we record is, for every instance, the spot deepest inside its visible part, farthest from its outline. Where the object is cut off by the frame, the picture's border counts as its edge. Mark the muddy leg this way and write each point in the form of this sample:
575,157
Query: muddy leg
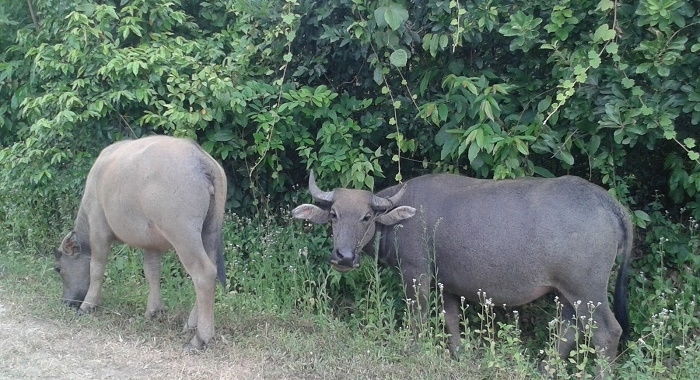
152,272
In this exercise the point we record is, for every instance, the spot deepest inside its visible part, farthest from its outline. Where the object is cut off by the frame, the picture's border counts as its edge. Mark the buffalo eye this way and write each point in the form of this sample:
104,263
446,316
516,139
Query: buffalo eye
57,269
334,216
367,217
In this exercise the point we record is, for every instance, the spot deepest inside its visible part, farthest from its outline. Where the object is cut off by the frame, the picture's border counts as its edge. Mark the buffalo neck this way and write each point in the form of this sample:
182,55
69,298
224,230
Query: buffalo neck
386,246
82,230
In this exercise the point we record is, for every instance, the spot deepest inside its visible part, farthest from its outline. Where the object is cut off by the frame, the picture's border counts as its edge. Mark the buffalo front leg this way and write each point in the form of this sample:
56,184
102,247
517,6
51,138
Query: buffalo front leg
98,260
417,293
452,315
152,268
203,274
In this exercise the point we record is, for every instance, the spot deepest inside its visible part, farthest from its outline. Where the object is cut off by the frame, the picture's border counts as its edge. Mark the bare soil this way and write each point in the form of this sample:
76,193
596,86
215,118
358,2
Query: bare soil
36,348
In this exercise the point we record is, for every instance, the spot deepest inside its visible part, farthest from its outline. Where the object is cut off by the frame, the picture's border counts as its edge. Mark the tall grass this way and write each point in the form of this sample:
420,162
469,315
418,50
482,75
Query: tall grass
284,299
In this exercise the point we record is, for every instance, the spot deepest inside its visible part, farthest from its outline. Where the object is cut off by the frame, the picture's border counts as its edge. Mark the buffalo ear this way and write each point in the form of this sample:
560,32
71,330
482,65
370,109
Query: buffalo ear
396,215
70,245
312,213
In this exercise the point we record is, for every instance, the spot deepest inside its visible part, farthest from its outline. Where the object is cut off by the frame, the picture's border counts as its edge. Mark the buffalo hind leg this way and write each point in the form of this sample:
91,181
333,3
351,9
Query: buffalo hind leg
606,338
203,273
152,268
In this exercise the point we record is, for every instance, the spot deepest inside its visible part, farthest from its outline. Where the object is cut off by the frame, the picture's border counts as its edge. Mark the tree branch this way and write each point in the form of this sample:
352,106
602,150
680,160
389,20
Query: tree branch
31,12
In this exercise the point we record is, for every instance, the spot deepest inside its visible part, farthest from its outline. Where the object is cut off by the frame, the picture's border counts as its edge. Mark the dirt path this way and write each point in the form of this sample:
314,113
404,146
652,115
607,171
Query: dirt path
32,348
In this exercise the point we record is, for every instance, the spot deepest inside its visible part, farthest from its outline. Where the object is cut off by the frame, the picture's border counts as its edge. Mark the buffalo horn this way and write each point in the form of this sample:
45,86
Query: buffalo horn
379,203
316,193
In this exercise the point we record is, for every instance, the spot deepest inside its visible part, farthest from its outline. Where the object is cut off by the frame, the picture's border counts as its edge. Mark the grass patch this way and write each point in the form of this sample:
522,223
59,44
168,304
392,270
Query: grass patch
286,315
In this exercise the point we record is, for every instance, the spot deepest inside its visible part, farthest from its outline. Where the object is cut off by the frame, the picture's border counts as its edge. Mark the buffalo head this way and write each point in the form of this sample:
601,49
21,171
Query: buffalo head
353,215
72,262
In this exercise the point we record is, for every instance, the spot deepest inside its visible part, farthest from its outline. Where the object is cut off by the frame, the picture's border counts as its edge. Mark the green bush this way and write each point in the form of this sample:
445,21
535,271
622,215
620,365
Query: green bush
365,93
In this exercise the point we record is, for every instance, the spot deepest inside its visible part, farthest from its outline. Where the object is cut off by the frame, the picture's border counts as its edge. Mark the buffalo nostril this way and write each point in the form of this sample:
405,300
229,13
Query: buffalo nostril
344,255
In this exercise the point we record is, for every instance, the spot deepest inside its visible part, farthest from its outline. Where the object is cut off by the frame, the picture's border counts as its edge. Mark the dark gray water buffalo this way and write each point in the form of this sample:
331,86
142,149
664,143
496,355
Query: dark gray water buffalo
515,240
155,193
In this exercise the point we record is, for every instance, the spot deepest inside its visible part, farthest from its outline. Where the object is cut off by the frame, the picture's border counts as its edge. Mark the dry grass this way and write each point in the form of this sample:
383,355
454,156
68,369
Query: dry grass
39,348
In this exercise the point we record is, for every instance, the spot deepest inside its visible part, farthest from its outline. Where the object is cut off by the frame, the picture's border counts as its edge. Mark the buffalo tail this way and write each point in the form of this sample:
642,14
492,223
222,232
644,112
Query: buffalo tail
620,298
622,283
221,263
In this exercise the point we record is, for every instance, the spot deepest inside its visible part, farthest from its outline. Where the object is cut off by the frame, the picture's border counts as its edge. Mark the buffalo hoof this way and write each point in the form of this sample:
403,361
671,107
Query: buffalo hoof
456,353
155,314
546,370
85,310
191,348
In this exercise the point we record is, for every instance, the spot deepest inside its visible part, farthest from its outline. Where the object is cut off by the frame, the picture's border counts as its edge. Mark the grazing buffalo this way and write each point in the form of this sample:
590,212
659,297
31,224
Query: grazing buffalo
514,240
154,193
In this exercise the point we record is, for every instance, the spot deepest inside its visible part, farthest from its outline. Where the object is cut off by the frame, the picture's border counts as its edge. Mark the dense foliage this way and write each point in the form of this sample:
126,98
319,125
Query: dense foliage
366,93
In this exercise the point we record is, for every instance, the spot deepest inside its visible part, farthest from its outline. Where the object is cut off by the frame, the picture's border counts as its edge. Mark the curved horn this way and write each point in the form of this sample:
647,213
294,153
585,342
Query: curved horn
379,203
316,193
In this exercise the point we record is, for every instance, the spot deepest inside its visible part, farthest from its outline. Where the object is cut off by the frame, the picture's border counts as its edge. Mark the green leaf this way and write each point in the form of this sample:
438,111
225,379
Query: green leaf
566,157
395,15
443,41
473,152
544,104
399,58
442,111
693,155
487,110
379,16
612,48
369,182
689,143
222,135
288,18
378,75
603,33
542,172
604,5
522,147
618,135
643,67
627,82
593,144
639,214
637,91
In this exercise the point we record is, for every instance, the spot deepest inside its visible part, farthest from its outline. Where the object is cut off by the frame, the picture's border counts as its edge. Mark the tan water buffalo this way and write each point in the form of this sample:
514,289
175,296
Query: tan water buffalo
156,193
514,240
